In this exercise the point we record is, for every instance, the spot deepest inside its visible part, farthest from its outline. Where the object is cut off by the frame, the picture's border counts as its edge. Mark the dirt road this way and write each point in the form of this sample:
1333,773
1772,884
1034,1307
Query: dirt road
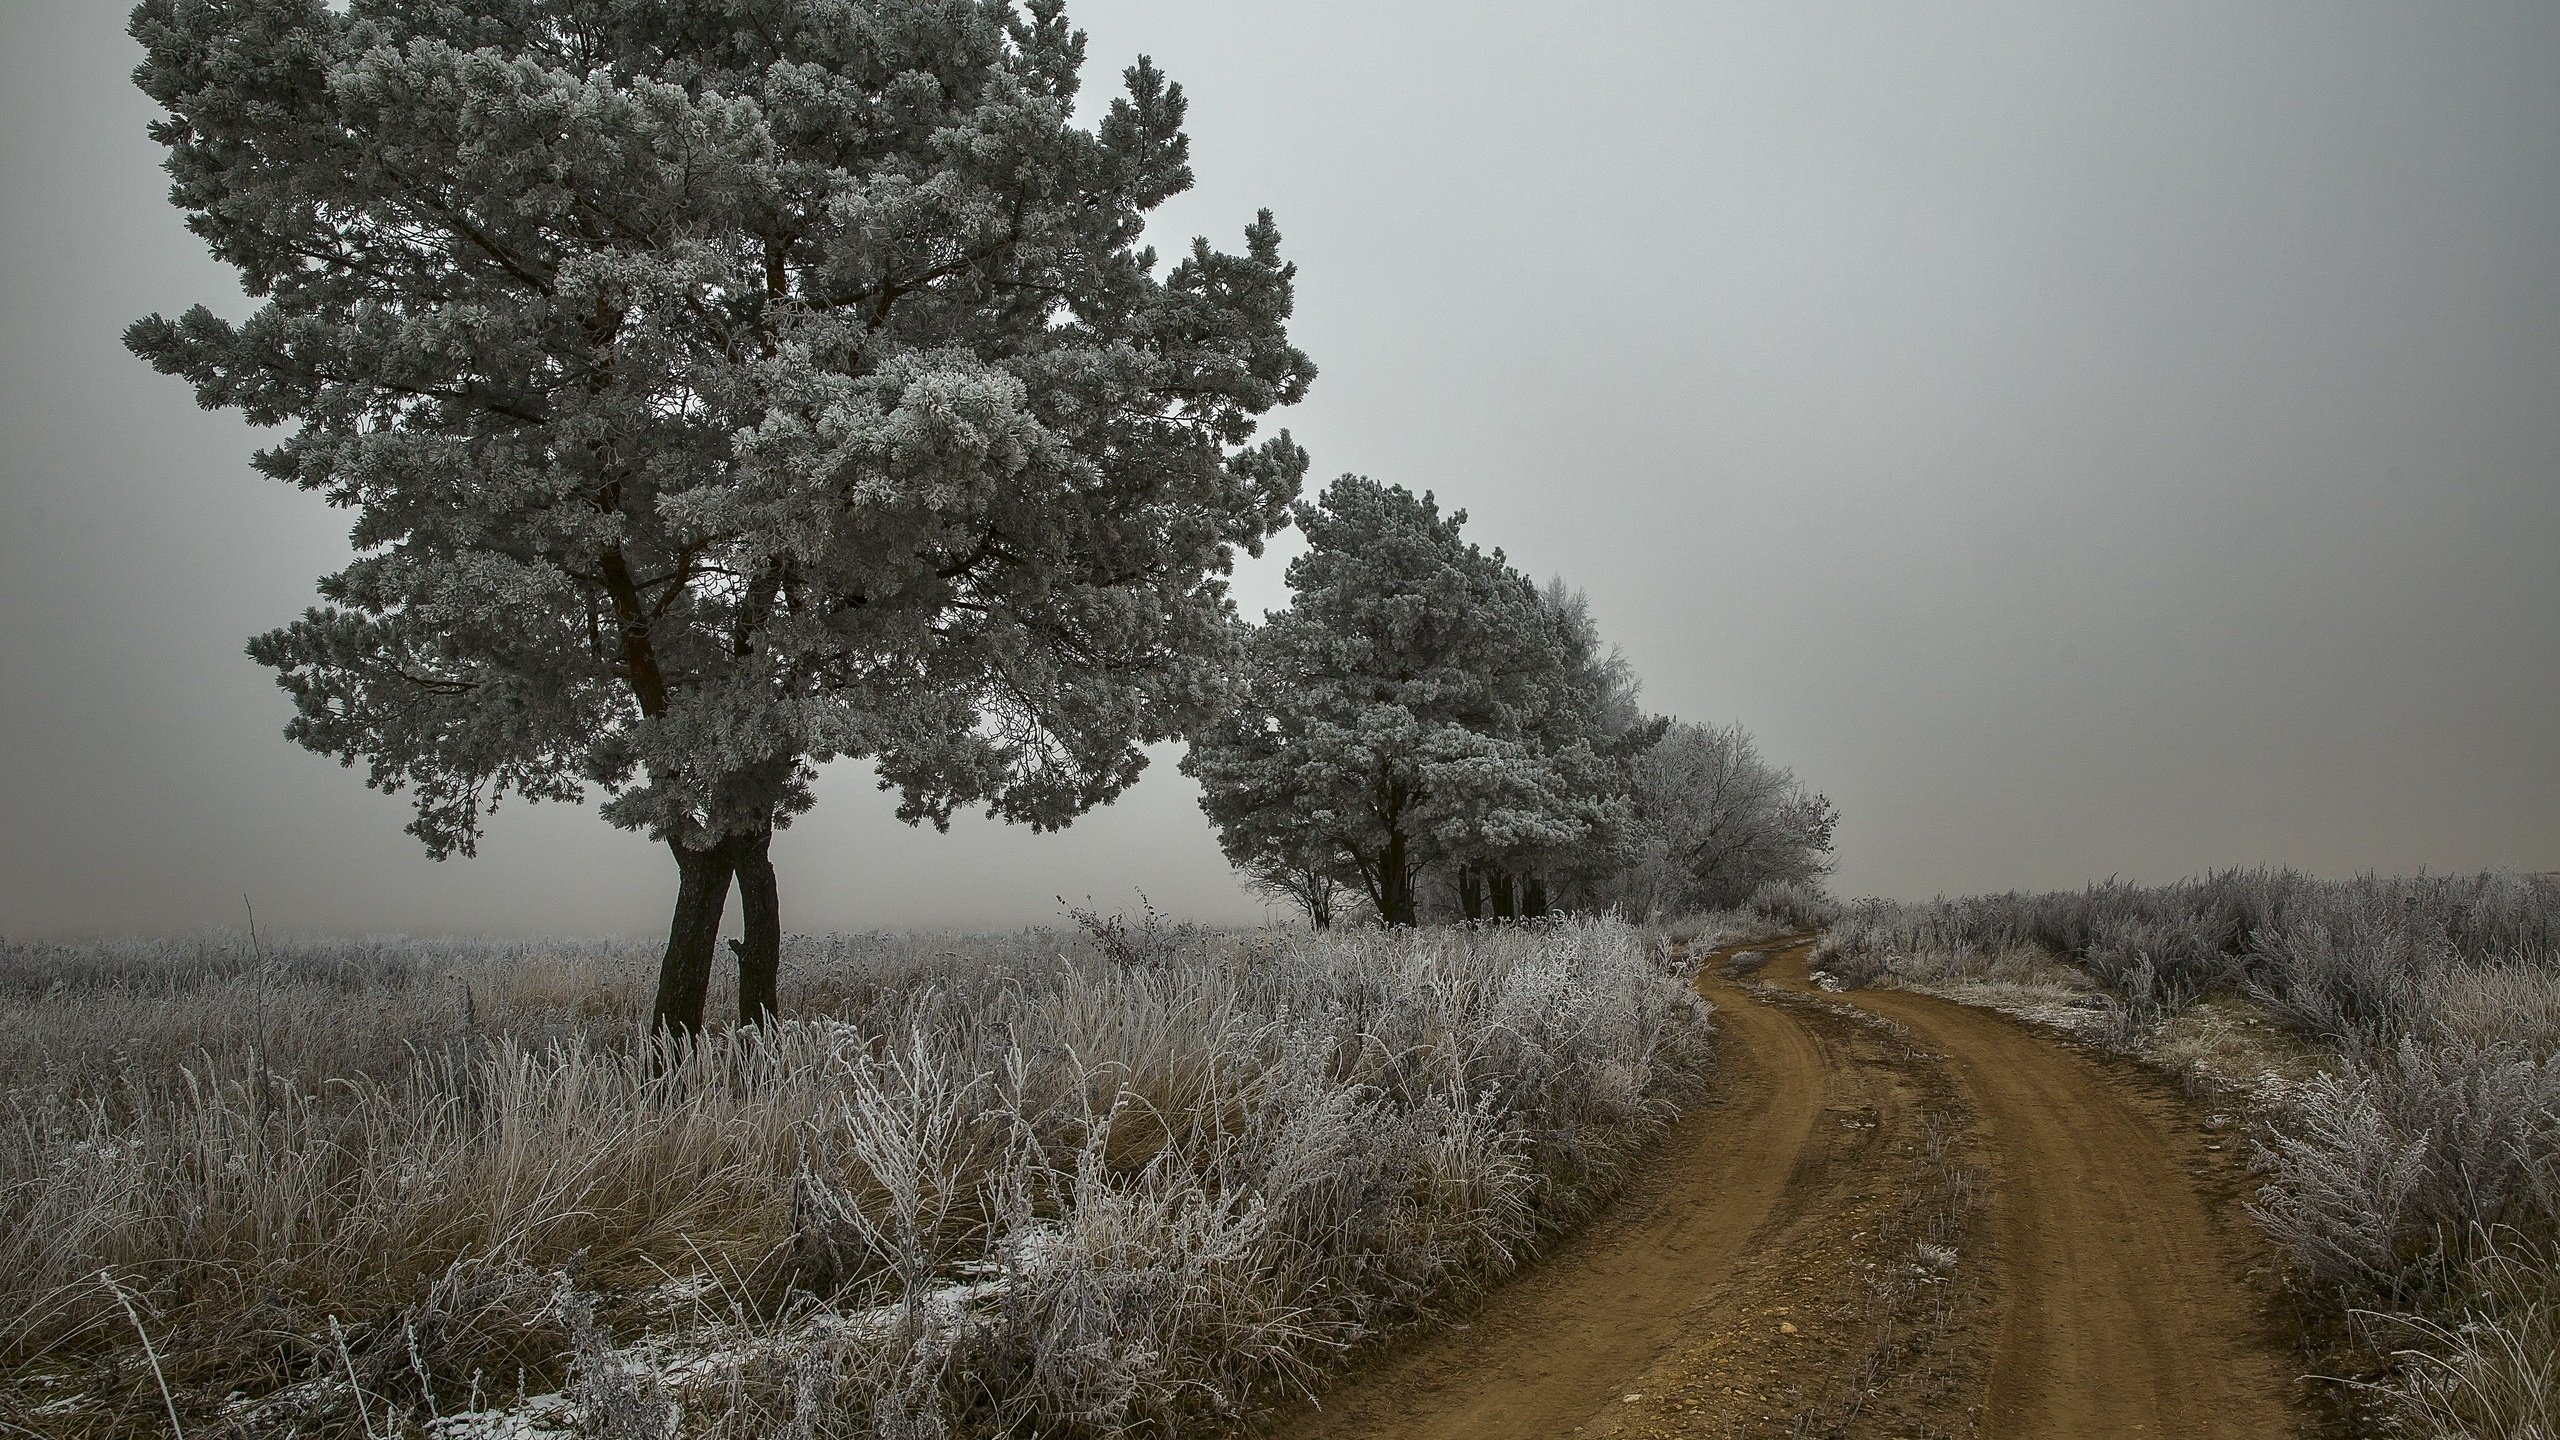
2121,1314
1899,1216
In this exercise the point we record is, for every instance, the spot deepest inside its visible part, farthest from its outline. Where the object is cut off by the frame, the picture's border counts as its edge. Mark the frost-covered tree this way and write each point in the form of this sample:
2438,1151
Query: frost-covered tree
1502,811
1602,684
1562,823
1309,880
720,389
1389,715
1713,822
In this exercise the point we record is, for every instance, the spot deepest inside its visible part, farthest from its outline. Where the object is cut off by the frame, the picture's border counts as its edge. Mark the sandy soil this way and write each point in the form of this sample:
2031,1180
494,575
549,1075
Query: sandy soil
1757,1277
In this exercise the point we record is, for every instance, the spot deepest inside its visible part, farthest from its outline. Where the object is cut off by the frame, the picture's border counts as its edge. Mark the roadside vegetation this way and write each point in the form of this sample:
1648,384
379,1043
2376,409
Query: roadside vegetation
1092,1183
2397,1043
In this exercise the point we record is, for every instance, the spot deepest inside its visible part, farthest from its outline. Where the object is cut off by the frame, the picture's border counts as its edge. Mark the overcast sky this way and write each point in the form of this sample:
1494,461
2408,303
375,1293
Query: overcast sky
2081,440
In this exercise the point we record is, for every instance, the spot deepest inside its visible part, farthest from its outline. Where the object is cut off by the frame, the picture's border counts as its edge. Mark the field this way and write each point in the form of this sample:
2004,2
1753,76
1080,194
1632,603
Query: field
1131,1178
1781,1173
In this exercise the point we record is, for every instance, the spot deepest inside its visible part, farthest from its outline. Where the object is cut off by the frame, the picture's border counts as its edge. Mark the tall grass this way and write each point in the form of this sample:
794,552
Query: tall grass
1071,1184
2415,1181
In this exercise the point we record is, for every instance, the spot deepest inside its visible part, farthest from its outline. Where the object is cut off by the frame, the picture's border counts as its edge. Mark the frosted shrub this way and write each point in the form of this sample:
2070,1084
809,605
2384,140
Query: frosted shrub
1795,904
1156,1295
909,1136
2353,961
2159,966
2352,980
1878,942
2392,1163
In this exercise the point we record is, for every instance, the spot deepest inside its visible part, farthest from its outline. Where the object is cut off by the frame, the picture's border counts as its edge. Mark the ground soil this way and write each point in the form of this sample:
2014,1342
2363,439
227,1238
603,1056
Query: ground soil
1757,1278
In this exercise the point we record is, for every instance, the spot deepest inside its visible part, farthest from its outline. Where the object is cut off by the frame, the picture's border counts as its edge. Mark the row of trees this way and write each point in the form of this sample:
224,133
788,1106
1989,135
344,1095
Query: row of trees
724,389
1425,729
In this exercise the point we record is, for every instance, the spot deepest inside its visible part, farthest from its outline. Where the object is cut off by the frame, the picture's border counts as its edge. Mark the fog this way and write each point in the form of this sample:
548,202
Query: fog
2080,441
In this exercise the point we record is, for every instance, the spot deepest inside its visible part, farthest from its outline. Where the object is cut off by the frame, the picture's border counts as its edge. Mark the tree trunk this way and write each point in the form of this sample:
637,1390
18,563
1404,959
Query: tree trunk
1471,891
1395,882
693,937
760,953
1533,897
1312,890
1503,906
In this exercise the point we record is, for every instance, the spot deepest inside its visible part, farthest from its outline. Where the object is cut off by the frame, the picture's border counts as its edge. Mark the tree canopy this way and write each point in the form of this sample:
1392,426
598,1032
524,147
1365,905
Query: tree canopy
1399,710
722,389
1713,822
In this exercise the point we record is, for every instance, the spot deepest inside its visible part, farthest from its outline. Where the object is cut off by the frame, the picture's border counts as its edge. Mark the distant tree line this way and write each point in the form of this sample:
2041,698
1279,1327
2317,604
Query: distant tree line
1426,731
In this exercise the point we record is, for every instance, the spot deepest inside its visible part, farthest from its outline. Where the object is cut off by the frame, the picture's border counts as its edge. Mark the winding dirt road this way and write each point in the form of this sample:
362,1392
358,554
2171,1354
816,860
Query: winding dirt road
1758,1277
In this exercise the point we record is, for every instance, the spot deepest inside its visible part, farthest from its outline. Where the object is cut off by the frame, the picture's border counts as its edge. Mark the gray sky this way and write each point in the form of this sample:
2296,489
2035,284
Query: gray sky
2080,440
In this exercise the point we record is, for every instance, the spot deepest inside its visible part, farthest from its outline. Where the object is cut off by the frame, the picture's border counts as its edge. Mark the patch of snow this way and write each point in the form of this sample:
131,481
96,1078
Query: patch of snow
678,1291
536,1417
708,1356
2270,1090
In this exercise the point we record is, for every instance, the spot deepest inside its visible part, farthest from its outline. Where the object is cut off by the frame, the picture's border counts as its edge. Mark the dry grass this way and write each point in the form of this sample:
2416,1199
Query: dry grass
1122,1181
2491,1370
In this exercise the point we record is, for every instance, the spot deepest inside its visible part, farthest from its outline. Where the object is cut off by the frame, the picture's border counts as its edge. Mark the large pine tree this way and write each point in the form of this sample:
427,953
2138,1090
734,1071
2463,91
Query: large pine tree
721,389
